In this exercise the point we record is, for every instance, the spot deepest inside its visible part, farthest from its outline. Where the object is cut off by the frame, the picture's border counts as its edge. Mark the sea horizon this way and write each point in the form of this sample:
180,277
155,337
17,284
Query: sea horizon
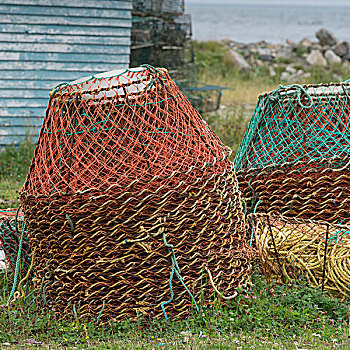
256,21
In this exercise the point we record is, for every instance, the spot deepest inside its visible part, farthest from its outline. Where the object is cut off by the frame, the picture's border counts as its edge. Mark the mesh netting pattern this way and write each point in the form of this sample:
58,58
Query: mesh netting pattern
10,239
292,249
294,157
131,203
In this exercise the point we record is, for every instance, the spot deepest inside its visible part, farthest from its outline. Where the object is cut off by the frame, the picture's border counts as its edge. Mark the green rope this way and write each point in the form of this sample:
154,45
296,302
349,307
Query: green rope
70,222
252,234
175,269
18,260
100,313
297,123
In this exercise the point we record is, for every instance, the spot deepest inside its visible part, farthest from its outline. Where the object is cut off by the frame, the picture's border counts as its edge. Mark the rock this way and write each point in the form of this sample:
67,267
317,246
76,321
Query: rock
316,59
290,69
285,76
284,51
272,72
305,43
265,54
325,37
234,59
331,57
341,49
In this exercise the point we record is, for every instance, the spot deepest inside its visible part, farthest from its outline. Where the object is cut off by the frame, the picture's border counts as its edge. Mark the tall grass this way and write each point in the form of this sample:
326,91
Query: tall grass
14,165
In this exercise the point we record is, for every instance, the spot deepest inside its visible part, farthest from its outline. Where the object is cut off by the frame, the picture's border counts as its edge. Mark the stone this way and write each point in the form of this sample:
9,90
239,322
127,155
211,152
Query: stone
341,49
234,59
325,37
265,54
331,57
272,72
284,51
305,43
316,59
290,69
285,76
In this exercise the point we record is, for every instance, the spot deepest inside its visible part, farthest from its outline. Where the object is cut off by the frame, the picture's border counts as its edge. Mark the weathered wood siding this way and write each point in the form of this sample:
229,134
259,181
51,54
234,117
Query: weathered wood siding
46,42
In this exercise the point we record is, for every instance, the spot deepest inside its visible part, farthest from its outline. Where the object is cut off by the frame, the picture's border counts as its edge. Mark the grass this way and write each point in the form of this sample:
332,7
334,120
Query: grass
263,317
14,164
215,68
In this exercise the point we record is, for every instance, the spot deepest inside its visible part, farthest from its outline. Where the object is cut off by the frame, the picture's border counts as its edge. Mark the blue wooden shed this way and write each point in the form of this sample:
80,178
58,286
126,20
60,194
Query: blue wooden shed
46,42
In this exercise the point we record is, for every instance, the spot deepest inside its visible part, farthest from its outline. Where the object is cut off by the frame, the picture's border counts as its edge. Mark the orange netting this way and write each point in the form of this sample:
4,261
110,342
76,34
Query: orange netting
131,203
105,131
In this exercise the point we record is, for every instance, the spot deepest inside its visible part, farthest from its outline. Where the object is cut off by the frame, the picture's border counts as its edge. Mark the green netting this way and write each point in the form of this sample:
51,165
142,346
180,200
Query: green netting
10,240
298,124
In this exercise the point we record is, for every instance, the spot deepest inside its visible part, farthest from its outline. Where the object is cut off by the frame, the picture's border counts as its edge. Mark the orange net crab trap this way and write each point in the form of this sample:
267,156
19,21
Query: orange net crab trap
131,201
295,156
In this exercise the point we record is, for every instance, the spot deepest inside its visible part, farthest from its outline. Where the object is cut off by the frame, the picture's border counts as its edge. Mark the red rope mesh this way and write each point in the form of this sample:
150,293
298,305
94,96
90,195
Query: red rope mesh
115,130
123,165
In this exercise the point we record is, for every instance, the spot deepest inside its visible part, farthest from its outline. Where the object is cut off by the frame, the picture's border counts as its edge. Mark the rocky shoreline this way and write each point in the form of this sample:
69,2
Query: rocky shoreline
292,61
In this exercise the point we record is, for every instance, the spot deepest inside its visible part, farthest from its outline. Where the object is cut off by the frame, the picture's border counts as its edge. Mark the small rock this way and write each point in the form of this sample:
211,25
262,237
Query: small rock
290,69
285,76
331,57
284,51
305,43
306,75
316,59
342,49
233,58
325,37
265,54
272,72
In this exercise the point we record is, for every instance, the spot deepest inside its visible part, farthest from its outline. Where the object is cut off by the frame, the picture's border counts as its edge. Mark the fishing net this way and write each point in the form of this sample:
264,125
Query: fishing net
292,249
295,155
11,222
131,203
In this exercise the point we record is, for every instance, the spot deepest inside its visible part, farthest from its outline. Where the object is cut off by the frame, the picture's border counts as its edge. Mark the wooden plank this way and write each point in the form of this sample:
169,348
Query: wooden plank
82,12
19,130
23,102
63,29
6,140
54,66
22,111
76,48
118,59
103,4
29,84
64,39
23,93
55,76
62,20
21,121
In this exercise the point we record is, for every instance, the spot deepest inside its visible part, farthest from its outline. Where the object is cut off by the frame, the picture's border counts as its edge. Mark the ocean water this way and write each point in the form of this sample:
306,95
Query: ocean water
248,22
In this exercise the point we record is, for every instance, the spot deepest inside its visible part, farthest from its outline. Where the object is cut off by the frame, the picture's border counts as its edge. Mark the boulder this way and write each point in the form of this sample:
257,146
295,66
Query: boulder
341,49
305,43
325,37
331,57
285,76
284,51
316,59
272,72
234,59
265,54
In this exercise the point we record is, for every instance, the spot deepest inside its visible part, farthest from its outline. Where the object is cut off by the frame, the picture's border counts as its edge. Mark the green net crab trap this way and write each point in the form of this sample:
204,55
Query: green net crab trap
131,202
11,222
295,156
